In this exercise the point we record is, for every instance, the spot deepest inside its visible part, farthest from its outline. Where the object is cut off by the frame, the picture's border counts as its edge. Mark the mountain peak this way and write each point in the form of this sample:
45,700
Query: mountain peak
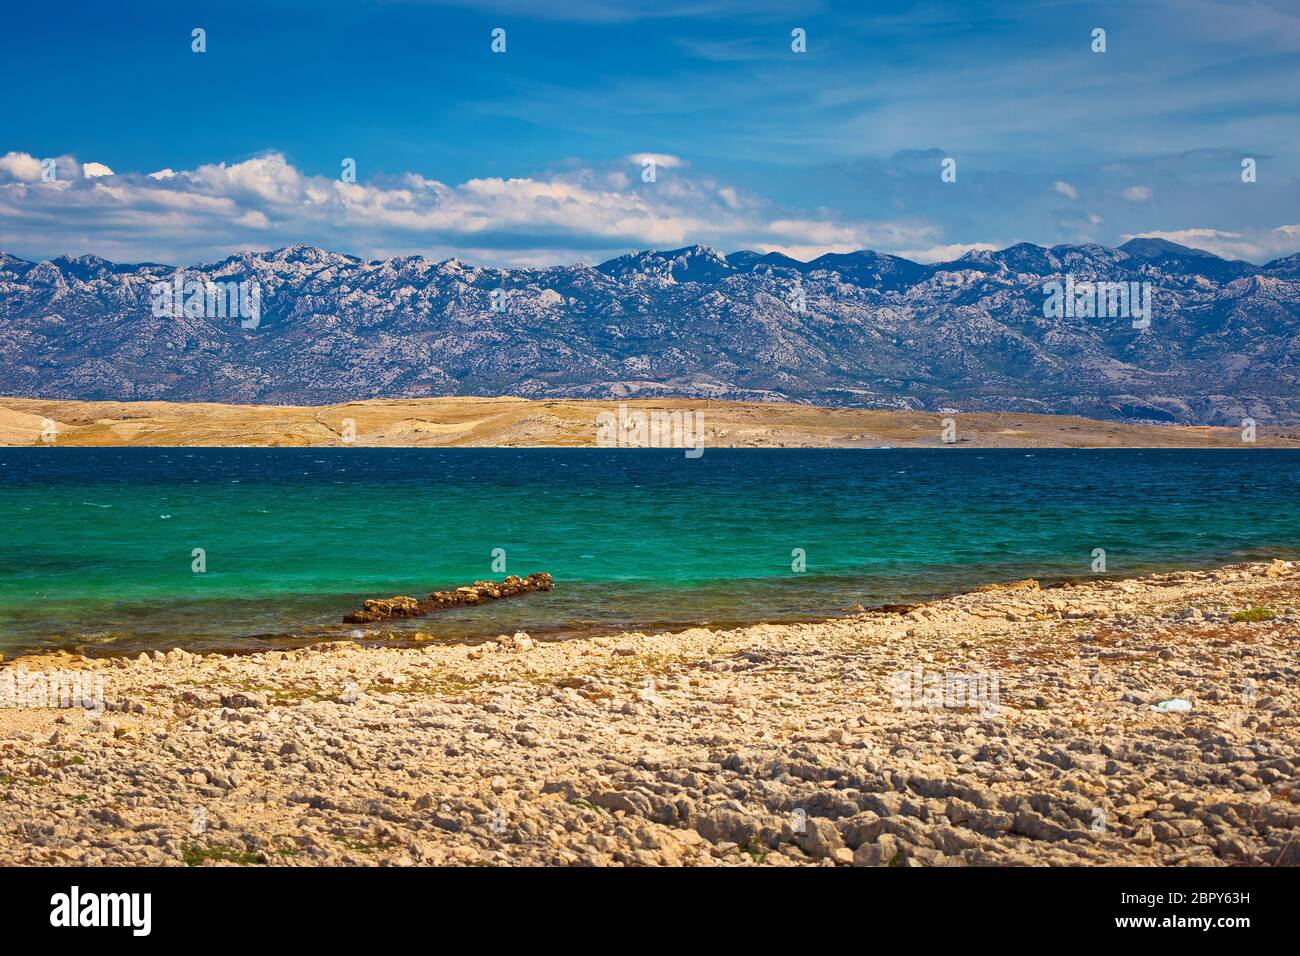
1154,248
748,259
302,252
695,263
695,251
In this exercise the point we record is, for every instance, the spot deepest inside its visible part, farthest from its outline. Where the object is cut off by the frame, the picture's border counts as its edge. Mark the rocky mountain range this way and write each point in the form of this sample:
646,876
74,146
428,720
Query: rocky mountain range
857,329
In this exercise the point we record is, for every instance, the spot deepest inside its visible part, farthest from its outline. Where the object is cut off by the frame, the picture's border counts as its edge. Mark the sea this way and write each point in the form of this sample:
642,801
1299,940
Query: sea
123,550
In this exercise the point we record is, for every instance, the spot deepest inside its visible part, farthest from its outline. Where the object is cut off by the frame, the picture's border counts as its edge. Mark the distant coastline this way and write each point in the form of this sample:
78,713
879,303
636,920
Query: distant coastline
527,423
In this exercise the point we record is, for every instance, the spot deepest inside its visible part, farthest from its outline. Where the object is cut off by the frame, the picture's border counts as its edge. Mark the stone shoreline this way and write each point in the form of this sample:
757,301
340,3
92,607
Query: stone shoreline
1011,725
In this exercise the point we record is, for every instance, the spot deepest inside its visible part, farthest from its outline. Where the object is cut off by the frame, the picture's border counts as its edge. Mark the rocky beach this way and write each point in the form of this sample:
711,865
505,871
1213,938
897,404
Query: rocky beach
1142,721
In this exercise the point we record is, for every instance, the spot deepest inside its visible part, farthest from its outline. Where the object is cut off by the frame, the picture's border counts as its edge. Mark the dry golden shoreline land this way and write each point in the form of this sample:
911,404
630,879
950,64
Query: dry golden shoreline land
520,423
773,745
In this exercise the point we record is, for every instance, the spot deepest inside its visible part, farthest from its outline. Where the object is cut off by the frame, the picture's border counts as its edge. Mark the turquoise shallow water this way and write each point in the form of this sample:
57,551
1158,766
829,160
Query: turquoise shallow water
96,547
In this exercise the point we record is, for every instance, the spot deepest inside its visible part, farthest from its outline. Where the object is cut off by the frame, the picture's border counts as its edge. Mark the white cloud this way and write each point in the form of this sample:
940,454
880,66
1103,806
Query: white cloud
1065,189
21,167
809,238
946,253
1137,193
662,160
182,216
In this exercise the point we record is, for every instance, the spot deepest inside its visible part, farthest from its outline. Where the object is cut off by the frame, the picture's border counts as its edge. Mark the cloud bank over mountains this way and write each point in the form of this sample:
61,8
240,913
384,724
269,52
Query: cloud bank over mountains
581,213
576,212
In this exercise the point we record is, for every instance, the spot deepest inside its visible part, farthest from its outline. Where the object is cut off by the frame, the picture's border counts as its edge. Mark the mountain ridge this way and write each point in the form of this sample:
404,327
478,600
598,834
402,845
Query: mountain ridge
862,329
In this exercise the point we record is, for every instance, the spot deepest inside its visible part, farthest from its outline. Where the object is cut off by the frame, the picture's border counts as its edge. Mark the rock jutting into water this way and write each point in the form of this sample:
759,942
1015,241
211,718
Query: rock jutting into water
385,609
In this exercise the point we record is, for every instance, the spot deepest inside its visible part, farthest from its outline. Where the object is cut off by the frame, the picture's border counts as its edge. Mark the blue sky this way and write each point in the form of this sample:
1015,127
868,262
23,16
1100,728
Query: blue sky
534,156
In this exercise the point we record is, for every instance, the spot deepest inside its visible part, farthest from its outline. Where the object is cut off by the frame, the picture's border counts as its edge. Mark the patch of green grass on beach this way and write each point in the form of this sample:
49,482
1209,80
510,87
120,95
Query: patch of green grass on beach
1252,615
637,667
288,696
8,781
755,850
360,847
218,853
437,686
283,845
276,696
